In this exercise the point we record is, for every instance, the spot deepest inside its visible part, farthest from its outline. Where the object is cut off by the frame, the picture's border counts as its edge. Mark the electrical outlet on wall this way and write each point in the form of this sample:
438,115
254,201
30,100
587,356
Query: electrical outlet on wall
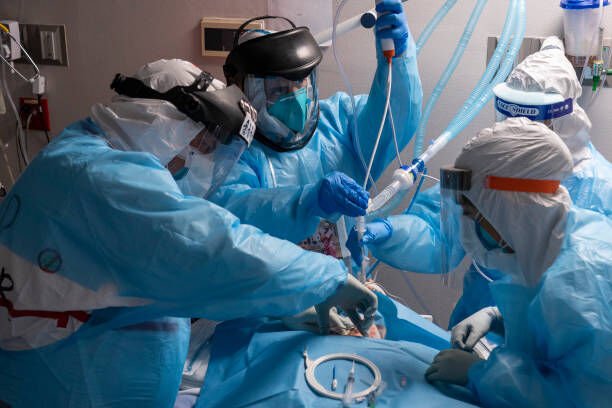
37,112
10,49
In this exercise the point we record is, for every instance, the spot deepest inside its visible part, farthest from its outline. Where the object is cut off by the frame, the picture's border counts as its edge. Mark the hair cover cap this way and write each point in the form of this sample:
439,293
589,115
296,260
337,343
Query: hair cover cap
550,71
533,224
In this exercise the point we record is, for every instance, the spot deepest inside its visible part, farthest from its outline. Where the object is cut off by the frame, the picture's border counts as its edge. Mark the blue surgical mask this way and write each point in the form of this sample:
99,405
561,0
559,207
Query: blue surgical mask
292,109
486,239
495,259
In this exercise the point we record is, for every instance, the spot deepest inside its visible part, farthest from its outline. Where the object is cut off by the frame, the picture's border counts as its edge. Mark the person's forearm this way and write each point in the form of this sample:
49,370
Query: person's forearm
290,213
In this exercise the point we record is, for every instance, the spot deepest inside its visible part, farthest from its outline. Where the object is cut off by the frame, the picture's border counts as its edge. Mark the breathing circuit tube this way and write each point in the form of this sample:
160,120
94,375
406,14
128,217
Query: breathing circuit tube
404,178
434,23
446,76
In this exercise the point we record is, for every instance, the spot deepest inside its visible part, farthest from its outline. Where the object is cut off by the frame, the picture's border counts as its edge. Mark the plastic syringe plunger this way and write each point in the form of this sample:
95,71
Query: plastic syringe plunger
386,44
347,398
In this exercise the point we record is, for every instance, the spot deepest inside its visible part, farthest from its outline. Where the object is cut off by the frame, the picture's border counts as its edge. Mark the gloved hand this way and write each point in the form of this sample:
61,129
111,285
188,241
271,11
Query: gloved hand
377,232
393,24
308,320
451,366
466,333
358,302
341,194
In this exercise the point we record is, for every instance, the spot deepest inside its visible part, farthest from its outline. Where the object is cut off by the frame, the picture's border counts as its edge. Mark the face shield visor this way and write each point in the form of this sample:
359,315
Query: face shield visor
201,164
288,110
277,71
536,106
201,167
465,228
453,183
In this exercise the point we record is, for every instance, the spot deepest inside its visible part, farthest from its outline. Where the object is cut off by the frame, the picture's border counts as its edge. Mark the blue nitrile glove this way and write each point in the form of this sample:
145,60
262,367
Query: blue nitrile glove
340,194
377,232
393,24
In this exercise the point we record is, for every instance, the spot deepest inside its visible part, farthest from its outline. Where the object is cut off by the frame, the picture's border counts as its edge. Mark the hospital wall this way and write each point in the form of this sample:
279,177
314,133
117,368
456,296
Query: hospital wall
110,36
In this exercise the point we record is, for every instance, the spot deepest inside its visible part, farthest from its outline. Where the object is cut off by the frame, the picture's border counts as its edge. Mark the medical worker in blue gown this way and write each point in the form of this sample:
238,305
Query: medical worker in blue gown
554,299
106,235
412,242
305,148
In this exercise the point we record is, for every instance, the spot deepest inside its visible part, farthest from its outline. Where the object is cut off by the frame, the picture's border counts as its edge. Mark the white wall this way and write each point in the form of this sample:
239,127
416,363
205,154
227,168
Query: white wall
544,18
105,37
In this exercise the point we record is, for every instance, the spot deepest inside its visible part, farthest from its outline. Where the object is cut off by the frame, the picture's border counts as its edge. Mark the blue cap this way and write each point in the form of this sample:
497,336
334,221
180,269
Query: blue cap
582,4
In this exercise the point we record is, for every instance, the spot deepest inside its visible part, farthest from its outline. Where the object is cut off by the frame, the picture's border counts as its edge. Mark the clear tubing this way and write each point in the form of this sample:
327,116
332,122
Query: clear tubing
349,87
433,24
382,123
346,26
361,229
516,20
361,220
446,76
398,154
20,134
603,81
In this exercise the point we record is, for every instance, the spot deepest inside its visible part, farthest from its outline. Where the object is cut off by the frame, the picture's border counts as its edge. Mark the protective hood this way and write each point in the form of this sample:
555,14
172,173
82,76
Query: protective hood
139,124
549,71
174,111
533,224
152,125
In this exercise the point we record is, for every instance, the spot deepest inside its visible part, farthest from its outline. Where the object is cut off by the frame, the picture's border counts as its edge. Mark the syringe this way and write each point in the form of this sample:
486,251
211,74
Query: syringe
348,389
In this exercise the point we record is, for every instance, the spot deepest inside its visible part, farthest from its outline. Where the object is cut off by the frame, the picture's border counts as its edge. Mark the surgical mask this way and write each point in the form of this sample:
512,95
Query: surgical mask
485,238
490,259
292,109
271,130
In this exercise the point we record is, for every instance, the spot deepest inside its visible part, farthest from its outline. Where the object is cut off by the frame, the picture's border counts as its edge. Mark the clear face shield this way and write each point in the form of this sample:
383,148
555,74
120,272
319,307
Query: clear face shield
466,231
536,106
465,228
288,110
203,165
453,182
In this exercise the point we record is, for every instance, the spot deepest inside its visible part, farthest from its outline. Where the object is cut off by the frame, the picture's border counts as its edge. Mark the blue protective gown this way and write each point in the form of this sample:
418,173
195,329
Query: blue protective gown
278,192
415,244
102,248
558,335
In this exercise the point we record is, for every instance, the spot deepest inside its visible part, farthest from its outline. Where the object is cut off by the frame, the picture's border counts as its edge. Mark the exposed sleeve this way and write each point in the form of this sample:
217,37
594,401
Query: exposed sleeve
416,242
288,212
406,100
187,254
570,323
